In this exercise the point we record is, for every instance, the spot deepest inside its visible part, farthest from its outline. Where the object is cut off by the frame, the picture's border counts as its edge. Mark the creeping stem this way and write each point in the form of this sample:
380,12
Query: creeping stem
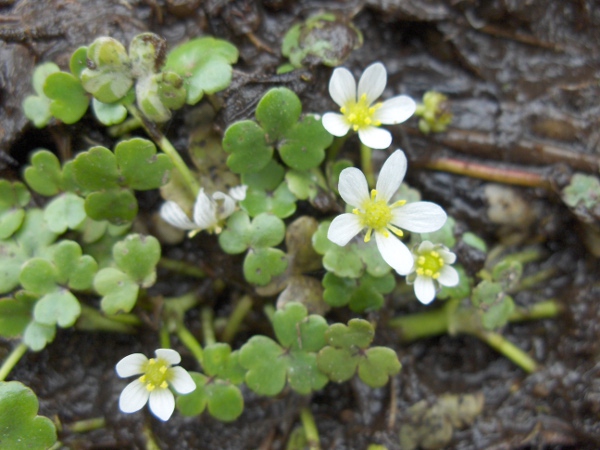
166,146
366,162
310,429
12,360
235,319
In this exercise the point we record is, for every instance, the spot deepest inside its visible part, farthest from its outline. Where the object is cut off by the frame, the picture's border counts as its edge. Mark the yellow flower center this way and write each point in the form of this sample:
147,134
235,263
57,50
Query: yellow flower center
360,114
377,215
156,374
429,264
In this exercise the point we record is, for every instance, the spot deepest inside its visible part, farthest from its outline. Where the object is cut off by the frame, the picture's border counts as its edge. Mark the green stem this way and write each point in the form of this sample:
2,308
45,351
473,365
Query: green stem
181,267
543,310
508,349
11,361
236,318
336,146
165,341
83,426
269,311
190,342
166,146
421,325
151,443
532,280
92,320
366,162
310,429
123,128
208,329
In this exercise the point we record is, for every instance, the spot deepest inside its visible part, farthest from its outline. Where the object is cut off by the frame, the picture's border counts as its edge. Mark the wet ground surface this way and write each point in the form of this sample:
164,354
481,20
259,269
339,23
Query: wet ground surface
523,80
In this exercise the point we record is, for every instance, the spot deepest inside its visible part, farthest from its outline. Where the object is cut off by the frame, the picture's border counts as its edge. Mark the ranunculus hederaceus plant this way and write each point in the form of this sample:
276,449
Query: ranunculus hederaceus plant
75,261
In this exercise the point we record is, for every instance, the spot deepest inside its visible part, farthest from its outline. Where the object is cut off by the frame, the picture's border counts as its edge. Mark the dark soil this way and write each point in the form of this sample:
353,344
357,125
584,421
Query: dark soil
523,79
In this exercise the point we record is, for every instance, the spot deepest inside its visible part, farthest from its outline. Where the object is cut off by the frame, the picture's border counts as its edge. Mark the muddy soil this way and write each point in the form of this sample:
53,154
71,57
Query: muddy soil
523,80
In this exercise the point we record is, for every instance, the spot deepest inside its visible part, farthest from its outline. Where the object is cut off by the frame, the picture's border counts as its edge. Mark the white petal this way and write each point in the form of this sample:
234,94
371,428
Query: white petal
395,110
168,355
419,217
391,175
205,211
227,207
131,365
448,276
335,124
181,380
372,82
374,137
238,193
448,257
343,228
162,403
426,246
134,397
174,215
424,290
395,253
342,87
353,187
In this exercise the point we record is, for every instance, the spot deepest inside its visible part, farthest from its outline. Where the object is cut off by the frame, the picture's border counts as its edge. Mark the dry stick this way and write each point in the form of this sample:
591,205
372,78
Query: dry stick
484,145
487,172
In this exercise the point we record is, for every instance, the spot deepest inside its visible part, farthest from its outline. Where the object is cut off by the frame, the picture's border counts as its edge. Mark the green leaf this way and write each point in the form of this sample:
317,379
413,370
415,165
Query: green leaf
264,231
69,101
31,240
249,151
20,426
444,235
507,272
78,61
37,335
267,178
267,370
224,401
118,206
498,313
60,307
277,111
65,212
141,167
146,51
38,275
205,65
583,190
357,334
44,174
474,241
303,374
108,76
12,197
262,264
119,292
109,113
296,330
303,184
303,146
281,202
137,256
96,169
16,313
74,269
378,365
37,107
324,38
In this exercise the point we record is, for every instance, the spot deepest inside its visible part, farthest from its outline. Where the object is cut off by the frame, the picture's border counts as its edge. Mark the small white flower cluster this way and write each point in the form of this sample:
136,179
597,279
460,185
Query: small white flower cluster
209,213
157,375
429,264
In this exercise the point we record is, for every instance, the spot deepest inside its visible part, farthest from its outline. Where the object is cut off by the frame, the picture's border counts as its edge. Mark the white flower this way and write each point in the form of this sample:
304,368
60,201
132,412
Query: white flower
209,213
376,214
156,376
358,109
432,266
